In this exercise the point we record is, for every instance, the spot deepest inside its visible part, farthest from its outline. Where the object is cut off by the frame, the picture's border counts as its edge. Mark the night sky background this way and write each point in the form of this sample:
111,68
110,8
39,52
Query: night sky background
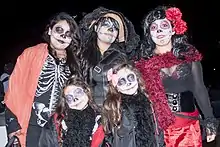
22,24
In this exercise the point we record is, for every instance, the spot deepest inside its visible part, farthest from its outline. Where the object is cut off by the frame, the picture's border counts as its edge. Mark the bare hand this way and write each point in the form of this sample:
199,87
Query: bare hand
210,136
17,133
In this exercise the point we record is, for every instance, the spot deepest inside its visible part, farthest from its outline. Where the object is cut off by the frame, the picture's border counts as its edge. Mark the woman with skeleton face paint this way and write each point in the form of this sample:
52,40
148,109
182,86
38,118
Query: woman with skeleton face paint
172,72
107,37
76,119
38,76
127,114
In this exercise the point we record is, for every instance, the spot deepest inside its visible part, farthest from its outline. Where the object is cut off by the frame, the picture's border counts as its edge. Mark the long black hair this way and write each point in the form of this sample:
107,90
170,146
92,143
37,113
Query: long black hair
74,49
91,54
179,41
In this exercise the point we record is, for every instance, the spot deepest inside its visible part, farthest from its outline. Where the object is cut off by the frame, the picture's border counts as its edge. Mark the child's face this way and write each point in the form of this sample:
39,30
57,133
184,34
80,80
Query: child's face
127,82
75,97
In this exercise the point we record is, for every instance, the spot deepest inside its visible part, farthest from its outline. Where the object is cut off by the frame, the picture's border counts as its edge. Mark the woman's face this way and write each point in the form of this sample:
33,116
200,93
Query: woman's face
107,30
75,97
60,35
161,32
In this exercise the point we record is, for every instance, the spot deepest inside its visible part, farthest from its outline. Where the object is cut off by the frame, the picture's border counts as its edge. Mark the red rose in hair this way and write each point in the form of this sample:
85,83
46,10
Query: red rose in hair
174,15
180,27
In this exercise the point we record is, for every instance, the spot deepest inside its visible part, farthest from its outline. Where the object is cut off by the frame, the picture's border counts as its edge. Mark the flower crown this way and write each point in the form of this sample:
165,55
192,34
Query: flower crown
174,15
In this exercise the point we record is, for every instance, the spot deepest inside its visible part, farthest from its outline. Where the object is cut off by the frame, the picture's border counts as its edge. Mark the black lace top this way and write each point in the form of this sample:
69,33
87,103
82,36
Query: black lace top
189,77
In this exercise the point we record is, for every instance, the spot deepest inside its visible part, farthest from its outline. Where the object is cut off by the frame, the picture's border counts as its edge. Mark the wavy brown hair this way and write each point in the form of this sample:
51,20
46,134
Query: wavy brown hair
62,106
112,111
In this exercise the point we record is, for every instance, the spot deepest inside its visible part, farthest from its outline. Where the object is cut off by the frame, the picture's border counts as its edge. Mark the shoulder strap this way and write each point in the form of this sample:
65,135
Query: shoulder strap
5,79
106,60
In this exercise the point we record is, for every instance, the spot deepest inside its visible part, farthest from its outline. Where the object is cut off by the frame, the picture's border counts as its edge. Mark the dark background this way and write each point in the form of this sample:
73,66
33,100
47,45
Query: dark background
23,23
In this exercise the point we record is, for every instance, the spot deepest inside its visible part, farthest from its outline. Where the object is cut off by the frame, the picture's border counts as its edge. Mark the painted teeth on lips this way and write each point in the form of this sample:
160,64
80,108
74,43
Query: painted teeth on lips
60,41
160,36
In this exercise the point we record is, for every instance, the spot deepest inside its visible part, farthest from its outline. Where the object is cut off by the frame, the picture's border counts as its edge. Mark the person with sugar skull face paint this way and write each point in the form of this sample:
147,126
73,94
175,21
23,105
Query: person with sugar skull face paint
107,37
173,76
127,115
38,76
76,120
107,30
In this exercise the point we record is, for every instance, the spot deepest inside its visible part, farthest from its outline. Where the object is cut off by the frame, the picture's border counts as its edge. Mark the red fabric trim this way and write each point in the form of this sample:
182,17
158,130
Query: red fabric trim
182,122
98,137
58,125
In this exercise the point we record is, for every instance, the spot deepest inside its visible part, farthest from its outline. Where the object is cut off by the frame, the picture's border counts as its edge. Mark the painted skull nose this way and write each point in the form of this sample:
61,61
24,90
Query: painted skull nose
128,84
75,99
63,36
159,31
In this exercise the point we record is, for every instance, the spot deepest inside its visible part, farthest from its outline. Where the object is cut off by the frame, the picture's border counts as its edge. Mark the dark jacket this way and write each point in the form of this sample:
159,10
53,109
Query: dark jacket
98,74
98,65
82,129
49,135
138,127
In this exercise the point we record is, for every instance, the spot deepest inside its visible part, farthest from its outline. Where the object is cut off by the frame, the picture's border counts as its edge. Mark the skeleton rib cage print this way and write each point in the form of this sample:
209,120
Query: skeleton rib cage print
52,77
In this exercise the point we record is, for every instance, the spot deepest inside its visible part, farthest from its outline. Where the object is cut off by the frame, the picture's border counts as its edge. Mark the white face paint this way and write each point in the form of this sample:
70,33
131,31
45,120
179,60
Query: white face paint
107,30
60,35
76,98
161,32
127,82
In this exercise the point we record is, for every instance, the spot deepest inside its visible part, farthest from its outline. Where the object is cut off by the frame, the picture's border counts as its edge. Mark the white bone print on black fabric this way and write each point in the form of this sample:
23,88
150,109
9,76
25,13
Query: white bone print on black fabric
52,77
42,112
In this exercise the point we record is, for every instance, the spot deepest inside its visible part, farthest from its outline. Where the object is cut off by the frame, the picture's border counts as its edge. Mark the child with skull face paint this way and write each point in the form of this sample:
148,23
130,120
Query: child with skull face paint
127,115
107,37
38,76
172,72
76,119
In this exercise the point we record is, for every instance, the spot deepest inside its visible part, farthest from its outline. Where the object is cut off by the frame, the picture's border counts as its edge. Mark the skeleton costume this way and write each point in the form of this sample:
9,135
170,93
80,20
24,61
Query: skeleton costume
38,77
174,80
50,82
52,77
56,74
137,126
122,46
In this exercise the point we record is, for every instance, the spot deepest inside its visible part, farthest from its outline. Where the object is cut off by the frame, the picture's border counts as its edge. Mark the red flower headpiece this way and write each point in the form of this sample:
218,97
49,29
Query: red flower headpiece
175,16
